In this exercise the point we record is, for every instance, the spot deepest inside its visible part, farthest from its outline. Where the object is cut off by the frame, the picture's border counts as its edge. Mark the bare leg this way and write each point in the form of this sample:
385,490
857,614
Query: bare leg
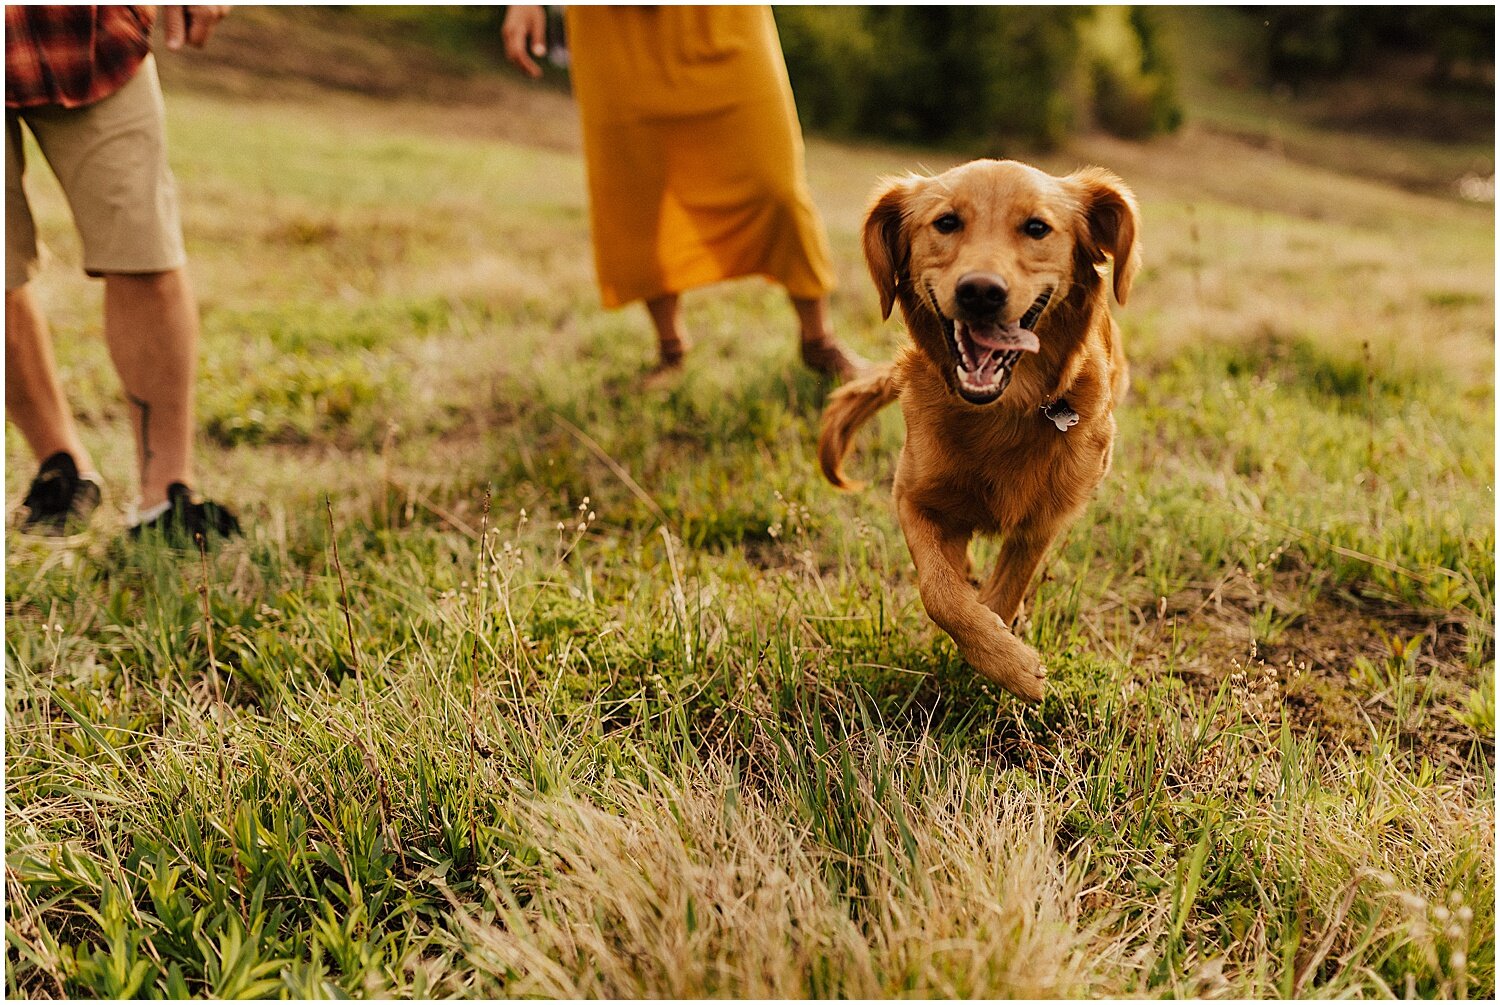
985,641
151,326
1020,555
820,350
671,340
34,398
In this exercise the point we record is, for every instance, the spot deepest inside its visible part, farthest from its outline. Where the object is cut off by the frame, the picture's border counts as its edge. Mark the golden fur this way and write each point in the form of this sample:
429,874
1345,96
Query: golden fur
1001,468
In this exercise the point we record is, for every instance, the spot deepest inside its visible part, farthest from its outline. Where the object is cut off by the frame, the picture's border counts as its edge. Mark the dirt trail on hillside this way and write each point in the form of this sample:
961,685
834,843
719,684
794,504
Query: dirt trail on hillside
261,54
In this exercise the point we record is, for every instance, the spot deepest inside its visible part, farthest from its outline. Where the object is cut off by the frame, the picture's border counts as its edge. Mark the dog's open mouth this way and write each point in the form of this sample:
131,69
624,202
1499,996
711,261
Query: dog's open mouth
986,354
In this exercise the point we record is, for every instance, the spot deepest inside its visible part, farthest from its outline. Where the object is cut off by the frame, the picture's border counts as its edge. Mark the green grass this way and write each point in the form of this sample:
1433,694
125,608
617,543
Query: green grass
540,728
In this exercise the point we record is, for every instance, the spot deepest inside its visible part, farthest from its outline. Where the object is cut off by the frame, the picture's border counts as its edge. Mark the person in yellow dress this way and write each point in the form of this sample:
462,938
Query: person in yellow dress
695,161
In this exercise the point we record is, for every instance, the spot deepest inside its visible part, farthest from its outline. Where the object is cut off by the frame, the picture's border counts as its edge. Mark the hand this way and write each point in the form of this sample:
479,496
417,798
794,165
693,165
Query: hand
525,36
192,25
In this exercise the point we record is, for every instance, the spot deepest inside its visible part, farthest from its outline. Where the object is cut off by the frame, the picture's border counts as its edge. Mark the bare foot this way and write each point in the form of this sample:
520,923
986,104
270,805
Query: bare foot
668,367
828,357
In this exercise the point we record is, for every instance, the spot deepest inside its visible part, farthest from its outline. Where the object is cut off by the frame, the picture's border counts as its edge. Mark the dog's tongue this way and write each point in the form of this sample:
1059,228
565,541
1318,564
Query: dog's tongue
1003,338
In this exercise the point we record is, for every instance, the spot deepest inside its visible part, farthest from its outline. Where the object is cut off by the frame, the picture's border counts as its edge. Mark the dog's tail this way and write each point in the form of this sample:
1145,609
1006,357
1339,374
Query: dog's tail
849,408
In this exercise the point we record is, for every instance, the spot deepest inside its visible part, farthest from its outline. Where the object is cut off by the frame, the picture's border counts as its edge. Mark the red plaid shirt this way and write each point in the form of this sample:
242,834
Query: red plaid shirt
72,56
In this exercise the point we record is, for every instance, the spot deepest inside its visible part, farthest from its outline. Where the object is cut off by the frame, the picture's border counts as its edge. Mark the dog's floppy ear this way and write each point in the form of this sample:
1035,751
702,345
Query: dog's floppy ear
1111,221
886,247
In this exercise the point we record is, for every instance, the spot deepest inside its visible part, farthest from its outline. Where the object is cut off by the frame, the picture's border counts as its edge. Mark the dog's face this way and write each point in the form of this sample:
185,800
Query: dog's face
985,250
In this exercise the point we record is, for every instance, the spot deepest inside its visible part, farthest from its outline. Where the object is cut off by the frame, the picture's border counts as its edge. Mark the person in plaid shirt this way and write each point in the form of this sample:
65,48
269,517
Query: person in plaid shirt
84,84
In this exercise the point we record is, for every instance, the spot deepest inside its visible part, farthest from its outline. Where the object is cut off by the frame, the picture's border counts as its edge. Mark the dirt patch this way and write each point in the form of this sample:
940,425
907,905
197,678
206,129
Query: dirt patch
1344,670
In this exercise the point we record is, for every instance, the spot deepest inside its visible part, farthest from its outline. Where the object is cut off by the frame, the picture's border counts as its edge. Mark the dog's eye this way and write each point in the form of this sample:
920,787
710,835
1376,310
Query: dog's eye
947,223
1035,228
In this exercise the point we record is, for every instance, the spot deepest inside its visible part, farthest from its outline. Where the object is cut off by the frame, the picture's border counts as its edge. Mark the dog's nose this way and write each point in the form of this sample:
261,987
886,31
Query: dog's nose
981,293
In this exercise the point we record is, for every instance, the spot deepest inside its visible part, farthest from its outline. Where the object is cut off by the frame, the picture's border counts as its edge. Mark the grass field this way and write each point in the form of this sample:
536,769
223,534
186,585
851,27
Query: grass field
527,682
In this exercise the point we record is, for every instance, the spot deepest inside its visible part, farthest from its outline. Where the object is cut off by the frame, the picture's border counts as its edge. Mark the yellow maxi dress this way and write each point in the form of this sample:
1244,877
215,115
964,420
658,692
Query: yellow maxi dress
695,159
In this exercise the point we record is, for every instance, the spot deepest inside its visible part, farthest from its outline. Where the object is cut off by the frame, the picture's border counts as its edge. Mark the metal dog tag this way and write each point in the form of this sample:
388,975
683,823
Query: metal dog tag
1061,414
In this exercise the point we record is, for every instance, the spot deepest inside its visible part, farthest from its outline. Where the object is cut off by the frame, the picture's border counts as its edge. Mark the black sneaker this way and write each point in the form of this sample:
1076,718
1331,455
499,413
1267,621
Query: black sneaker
184,521
60,500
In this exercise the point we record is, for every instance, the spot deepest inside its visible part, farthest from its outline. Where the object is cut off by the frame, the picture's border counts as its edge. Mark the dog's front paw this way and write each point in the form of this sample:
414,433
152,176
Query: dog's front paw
1009,662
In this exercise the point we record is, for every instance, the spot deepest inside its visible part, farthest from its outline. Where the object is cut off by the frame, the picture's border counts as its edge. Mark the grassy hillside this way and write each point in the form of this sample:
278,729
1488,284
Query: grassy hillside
1387,120
528,681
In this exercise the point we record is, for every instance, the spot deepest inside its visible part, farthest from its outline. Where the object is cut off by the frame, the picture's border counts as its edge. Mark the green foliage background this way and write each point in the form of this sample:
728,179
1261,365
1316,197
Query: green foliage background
991,75
1307,43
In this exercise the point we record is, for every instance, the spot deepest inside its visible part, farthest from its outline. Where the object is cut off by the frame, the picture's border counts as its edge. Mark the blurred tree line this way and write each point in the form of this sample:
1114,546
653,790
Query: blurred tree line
926,74
939,74
1307,44
1032,75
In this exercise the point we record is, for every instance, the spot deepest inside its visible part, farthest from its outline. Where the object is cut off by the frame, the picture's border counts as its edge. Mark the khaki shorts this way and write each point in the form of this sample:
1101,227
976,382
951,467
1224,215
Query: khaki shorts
111,160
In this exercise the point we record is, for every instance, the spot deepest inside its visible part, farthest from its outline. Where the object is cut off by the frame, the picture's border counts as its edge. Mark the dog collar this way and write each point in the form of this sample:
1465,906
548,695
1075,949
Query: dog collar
1058,409
1061,414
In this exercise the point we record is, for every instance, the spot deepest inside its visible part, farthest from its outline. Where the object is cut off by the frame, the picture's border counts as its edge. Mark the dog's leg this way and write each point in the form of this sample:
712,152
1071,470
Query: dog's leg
983,639
1020,555
956,551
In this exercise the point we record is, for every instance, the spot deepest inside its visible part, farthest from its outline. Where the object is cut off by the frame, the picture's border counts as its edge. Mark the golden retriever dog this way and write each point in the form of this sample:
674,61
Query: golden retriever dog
1009,387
